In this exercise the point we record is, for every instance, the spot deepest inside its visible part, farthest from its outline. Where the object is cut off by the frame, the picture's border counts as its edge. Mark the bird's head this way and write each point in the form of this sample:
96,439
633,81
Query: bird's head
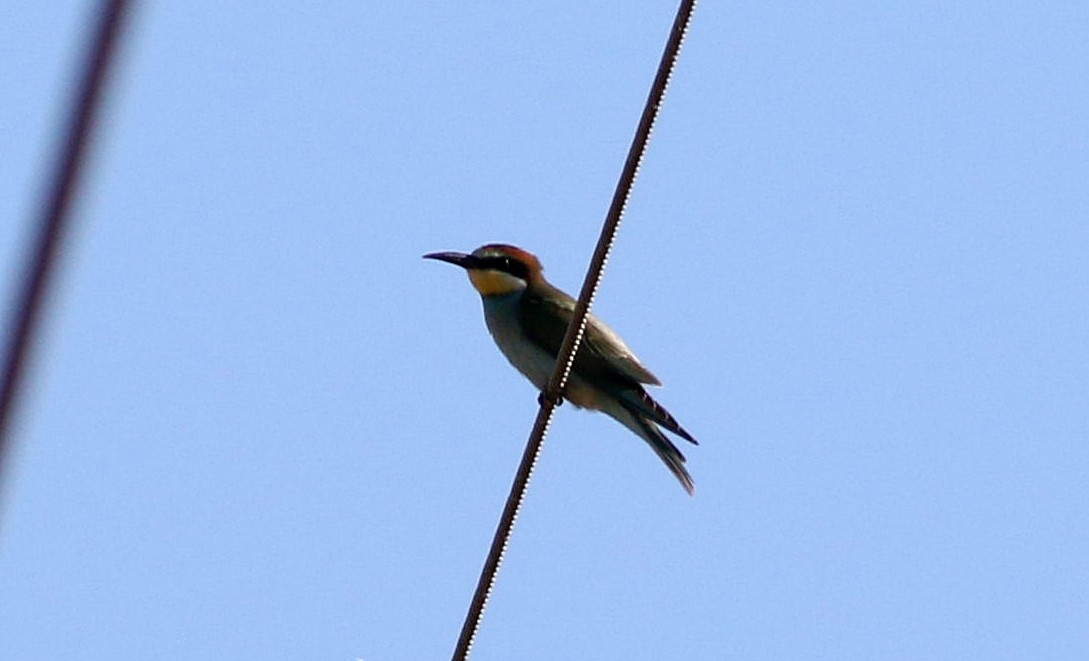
495,269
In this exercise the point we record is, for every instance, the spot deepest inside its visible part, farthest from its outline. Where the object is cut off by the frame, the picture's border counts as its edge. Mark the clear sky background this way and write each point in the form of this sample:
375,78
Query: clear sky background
259,426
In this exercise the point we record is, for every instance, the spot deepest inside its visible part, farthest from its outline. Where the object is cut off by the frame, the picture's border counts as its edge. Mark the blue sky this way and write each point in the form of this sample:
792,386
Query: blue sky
260,426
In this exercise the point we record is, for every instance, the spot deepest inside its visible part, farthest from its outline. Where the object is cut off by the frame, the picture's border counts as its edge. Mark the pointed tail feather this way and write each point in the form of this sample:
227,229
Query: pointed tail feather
640,403
665,449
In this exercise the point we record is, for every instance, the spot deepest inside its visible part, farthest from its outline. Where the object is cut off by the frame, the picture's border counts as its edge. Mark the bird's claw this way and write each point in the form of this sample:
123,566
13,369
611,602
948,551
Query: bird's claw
543,397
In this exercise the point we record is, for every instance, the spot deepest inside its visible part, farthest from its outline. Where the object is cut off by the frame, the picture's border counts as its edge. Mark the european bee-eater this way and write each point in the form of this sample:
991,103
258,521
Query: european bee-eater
528,317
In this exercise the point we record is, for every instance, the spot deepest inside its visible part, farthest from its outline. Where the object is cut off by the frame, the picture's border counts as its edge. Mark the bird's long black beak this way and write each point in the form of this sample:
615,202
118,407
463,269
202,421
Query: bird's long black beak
456,258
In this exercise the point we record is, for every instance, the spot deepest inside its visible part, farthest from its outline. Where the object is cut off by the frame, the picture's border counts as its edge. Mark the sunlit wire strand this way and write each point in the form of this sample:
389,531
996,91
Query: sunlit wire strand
551,396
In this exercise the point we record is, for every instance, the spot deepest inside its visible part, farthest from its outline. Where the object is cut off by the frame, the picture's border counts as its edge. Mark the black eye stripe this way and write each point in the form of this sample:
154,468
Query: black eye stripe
506,265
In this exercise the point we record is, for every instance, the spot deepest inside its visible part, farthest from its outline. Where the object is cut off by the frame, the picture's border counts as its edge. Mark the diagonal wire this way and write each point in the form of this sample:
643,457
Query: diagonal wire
550,398
54,214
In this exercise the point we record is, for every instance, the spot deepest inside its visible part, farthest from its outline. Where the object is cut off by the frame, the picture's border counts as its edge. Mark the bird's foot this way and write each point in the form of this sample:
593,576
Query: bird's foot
543,397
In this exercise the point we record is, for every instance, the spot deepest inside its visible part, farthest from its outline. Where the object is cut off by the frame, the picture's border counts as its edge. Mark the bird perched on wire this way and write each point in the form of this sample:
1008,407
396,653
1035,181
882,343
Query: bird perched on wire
528,317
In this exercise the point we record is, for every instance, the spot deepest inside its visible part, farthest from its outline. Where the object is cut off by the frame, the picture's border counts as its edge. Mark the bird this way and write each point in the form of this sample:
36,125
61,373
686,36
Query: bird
527,317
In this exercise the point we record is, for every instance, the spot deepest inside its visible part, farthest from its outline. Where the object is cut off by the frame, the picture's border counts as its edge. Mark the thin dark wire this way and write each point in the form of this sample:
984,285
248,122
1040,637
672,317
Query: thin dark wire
54,214
573,338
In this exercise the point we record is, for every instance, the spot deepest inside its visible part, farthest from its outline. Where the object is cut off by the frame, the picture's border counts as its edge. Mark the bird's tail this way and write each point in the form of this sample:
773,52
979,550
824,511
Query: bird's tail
646,429
640,403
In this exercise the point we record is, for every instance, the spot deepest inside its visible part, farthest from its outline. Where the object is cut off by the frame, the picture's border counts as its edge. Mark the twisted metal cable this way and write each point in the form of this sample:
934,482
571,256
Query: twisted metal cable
551,396
54,214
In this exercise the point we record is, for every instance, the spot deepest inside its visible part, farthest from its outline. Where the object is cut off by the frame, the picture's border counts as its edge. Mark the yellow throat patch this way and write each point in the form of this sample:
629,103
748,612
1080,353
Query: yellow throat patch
495,283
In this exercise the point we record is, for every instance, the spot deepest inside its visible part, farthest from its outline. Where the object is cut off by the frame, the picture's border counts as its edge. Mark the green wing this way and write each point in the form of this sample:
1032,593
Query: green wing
602,353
